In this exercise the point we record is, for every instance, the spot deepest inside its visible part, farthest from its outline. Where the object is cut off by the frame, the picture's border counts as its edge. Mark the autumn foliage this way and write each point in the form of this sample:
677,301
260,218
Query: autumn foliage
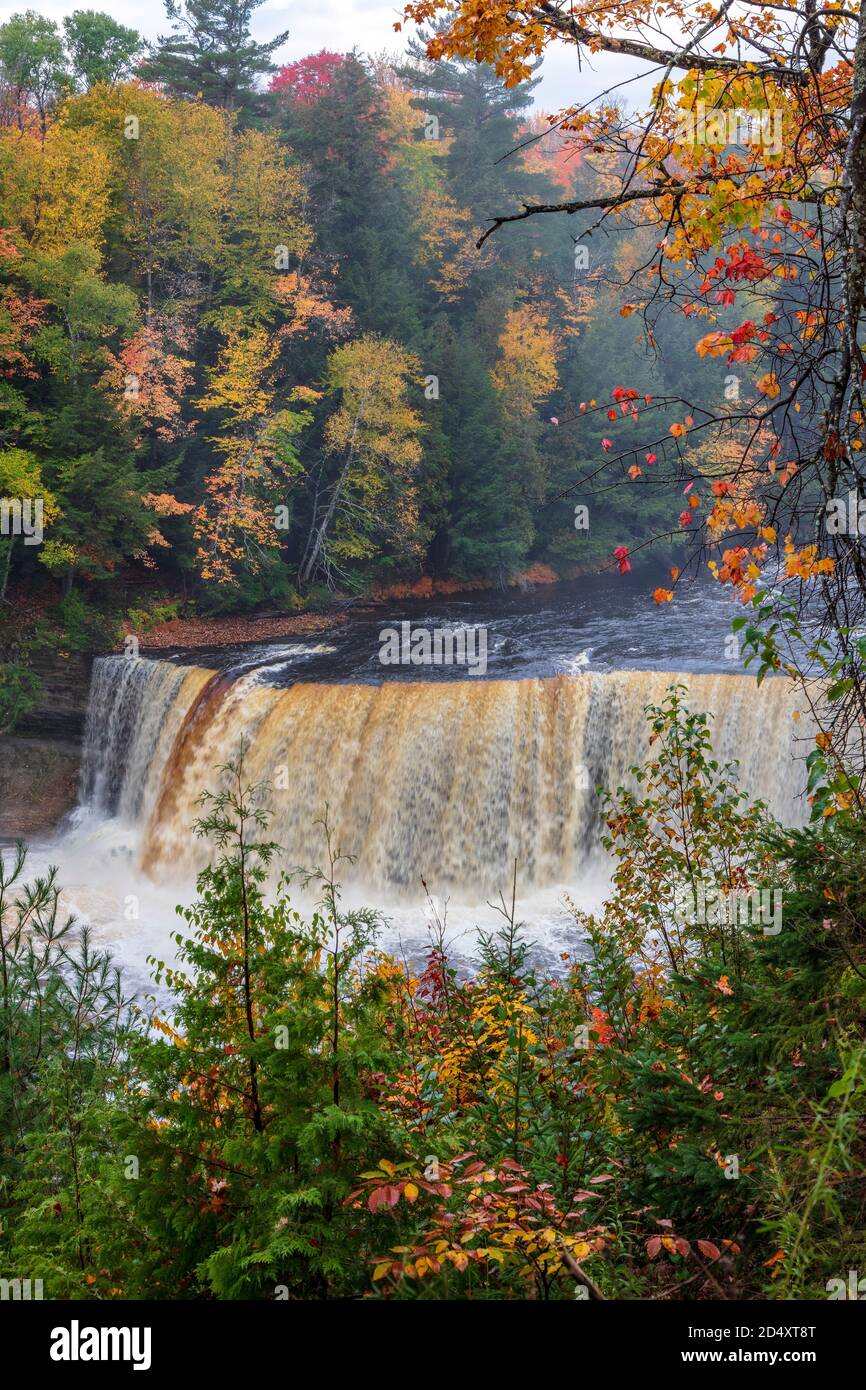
670,1114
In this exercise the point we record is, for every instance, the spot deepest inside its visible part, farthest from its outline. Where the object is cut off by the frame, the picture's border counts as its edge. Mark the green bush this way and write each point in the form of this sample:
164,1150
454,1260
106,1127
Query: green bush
19,693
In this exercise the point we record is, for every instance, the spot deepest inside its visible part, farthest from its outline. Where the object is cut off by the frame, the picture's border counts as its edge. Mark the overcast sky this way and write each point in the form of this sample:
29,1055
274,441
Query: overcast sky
365,24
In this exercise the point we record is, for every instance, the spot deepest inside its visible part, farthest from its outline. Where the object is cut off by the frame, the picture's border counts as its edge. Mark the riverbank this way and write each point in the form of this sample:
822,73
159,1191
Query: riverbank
236,630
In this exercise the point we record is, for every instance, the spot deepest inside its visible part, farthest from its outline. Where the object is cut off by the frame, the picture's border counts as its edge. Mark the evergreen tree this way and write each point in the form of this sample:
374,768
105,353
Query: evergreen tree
360,205
490,525
482,118
211,54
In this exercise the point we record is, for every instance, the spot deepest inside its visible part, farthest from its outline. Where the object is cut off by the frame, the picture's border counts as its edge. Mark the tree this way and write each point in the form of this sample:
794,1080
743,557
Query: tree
748,169
32,65
20,689
478,116
308,79
489,529
525,372
100,49
56,191
87,309
373,435
255,1102
21,482
256,441
359,205
211,54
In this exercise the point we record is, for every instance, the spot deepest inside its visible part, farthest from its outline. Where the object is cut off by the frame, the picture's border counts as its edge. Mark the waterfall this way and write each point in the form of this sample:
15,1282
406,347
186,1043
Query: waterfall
133,716
449,781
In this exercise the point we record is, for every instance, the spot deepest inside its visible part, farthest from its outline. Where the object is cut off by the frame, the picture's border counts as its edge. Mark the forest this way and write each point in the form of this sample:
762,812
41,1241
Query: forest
364,327
251,358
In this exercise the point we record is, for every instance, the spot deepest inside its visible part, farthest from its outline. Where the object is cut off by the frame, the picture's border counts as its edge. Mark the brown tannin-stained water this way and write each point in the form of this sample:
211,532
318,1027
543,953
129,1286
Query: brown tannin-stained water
426,774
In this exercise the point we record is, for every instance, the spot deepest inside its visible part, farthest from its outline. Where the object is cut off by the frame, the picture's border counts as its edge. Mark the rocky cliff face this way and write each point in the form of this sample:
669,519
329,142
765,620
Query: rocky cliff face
62,705
39,763
38,784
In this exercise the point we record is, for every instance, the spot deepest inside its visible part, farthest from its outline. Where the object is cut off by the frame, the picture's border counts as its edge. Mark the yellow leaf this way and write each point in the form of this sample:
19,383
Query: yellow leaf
768,385
714,345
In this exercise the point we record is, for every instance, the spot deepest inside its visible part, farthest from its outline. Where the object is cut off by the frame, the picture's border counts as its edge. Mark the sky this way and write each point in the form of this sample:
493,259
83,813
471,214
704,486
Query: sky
369,25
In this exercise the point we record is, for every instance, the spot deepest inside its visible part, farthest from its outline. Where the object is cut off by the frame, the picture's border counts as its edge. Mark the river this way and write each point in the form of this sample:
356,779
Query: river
429,772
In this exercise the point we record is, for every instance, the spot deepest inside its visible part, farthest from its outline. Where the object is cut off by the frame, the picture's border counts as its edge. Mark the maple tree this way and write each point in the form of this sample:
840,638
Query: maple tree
525,373
306,80
256,442
747,172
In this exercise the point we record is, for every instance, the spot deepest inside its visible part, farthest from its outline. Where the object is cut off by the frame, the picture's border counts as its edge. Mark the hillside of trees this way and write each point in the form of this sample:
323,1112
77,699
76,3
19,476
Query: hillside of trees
251,356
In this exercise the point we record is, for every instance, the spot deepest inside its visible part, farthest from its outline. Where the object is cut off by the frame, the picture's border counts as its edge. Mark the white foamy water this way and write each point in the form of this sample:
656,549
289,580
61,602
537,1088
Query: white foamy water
449,782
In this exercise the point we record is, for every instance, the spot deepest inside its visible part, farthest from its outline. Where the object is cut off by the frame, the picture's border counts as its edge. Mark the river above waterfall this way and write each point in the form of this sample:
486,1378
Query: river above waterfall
428,774
600,623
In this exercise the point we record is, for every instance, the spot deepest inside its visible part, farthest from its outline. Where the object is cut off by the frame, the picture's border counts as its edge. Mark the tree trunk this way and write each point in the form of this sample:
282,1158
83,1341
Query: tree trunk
309,567
6,566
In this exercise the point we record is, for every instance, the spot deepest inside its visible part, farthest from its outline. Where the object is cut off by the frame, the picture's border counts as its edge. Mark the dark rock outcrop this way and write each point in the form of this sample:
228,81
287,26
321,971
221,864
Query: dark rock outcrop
38,784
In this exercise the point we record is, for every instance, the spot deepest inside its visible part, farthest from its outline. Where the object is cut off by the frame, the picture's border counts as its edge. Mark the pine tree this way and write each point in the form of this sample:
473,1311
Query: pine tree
211,54
490,525
360,207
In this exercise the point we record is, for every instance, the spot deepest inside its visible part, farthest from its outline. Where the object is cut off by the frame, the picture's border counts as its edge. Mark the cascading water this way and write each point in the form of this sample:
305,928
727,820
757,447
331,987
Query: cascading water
450,782
134,711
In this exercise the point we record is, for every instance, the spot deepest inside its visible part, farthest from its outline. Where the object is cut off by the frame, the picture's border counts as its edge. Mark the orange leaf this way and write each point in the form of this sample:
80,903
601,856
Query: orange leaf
768,385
